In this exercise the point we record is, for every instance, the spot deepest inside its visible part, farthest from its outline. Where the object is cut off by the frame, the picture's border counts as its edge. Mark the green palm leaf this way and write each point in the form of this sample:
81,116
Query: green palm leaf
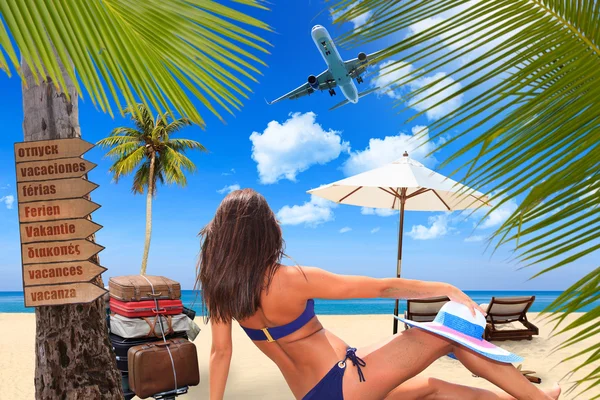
123,52
529,124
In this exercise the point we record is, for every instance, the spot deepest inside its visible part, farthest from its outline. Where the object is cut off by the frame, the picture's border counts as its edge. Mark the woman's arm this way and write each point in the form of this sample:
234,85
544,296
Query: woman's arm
326,285
220,358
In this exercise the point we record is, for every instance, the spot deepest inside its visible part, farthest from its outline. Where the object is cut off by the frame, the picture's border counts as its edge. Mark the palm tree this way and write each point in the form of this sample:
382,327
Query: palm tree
529,71
157,156
120,53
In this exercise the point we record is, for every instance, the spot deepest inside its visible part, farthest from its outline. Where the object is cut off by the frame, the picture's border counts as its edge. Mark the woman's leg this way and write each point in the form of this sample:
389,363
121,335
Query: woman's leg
503,375
423,388
409,353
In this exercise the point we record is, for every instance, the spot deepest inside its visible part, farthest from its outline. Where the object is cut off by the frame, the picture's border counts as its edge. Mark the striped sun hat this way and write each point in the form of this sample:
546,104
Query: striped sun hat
454,321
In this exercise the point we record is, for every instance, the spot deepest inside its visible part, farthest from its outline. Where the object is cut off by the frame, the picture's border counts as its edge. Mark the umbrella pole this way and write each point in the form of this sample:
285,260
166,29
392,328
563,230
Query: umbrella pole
399,265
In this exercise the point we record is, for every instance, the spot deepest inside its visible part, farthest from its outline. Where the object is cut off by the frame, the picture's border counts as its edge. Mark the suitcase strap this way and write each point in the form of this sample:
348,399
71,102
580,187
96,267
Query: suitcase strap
162,330
152,325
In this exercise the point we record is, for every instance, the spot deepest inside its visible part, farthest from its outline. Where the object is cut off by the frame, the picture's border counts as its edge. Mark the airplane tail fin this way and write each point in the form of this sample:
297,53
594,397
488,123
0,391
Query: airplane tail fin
363,94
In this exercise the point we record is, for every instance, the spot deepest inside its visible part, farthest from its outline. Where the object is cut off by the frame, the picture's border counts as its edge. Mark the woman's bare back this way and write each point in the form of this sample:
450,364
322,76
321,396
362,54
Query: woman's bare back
306,355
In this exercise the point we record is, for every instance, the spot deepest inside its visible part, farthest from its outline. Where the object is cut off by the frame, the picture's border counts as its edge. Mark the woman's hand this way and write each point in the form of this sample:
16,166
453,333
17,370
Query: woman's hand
457,295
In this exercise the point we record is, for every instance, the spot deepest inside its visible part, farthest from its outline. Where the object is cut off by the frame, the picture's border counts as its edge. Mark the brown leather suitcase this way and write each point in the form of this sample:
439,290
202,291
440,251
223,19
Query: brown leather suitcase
151,370
137,288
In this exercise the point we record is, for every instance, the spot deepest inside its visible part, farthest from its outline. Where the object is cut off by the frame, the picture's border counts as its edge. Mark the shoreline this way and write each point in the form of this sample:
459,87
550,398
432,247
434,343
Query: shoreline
254,376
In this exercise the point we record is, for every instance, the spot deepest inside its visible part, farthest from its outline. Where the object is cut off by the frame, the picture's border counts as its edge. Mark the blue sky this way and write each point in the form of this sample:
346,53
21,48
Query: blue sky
282,151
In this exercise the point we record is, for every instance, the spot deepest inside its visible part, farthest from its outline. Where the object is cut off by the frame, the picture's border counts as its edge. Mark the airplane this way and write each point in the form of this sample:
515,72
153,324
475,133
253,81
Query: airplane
339,73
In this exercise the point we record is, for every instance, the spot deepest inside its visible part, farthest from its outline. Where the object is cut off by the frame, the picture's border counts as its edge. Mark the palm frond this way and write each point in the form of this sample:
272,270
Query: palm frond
173,165
122,52
141,117
177,125
529,125
181,145
118,140
141,178
124,150
126,164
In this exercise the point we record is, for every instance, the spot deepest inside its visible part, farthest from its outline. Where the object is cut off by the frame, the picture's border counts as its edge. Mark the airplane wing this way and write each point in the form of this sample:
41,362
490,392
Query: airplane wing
355,67
363,94
324,79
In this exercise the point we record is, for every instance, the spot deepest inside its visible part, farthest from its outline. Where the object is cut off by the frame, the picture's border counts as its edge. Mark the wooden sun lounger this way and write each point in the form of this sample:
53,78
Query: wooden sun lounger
505,310
423,310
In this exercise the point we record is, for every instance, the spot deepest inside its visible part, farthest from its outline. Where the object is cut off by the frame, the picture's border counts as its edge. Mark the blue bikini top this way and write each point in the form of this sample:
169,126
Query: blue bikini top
277,332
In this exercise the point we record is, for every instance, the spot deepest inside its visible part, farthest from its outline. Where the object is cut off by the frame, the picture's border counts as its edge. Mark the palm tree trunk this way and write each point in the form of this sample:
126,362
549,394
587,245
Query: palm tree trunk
74,359
149,212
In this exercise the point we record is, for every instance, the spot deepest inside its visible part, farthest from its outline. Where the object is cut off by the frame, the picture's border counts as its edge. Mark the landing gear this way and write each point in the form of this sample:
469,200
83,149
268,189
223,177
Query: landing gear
359,79
331,92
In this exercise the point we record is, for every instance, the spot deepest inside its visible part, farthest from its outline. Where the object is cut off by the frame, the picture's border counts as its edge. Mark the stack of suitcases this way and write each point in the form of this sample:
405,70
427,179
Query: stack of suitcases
148,331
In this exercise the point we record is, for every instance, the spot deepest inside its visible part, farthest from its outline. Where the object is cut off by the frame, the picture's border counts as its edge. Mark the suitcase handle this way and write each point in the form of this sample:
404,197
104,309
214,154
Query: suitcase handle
163,344
155,295
159,311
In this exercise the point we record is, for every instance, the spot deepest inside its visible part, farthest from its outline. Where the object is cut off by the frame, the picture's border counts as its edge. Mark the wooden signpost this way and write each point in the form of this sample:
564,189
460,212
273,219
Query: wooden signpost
53,222
59,189
56,210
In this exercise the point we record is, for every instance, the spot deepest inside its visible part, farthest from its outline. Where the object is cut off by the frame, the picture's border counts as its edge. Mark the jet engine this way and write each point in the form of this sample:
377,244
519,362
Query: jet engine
362,57
312,81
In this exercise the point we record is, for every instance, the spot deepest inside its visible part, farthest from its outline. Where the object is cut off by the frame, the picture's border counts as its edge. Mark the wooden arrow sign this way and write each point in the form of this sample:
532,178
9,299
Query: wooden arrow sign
68,250
52,190
70,293
56,209
62,272
74,167
50,149
58,230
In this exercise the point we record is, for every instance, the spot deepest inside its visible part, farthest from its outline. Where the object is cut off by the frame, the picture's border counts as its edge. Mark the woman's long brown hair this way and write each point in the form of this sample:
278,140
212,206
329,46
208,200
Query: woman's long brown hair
240,252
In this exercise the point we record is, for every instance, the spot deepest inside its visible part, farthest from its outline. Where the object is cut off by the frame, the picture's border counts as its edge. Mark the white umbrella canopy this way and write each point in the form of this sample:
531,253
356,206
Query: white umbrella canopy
384,187
404,184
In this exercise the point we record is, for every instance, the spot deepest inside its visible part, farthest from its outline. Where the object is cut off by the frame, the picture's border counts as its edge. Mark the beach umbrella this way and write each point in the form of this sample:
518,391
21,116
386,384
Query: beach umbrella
403,185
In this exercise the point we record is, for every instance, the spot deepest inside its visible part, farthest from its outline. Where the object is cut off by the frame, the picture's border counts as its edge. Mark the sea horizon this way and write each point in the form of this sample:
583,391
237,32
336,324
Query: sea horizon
13,302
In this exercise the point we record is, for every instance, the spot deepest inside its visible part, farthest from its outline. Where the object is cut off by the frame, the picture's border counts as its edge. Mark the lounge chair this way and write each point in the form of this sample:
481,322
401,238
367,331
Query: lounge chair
508,310
424,310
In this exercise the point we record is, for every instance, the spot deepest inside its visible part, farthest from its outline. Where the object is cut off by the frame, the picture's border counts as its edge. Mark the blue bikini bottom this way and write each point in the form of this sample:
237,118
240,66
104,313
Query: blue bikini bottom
331,387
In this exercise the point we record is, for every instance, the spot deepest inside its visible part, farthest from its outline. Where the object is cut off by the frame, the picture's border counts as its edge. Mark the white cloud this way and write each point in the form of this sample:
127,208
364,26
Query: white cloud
383,151
465,36
438,92
475,238
423,25
345,229
499,215
8,201
282,151
361,19
229,189
358,21
231,172
591,190
311,213
438,227
375,230
393,76
381,212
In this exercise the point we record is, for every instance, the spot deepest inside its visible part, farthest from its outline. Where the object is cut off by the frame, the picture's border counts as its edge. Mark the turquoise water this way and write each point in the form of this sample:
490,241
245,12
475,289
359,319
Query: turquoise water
12,302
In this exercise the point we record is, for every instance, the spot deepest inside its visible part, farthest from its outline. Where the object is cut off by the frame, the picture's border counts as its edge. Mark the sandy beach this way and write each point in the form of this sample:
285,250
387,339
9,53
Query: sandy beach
253,376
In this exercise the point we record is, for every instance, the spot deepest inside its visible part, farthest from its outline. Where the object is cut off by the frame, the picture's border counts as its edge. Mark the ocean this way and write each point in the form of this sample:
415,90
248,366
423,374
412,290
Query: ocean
12,302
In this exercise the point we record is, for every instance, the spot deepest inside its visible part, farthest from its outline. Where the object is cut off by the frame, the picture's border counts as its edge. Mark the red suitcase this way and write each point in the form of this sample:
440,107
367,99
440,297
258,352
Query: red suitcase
146,308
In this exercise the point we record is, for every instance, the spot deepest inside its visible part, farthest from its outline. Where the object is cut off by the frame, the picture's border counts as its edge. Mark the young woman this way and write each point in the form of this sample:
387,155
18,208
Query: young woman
241,279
